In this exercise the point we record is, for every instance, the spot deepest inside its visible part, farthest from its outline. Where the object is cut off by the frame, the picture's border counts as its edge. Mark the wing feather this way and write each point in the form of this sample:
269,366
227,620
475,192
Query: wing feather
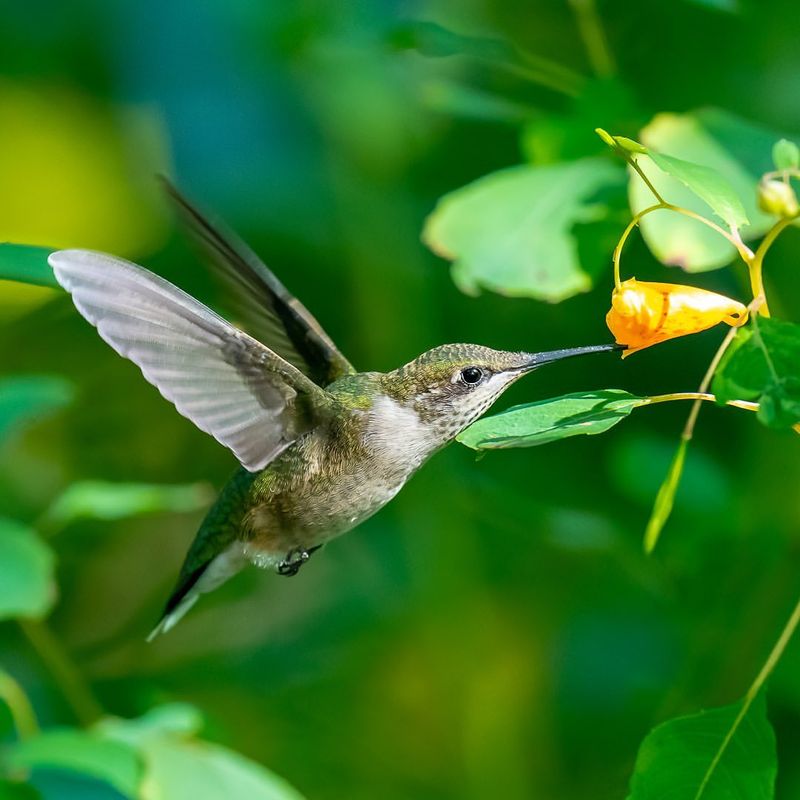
227,383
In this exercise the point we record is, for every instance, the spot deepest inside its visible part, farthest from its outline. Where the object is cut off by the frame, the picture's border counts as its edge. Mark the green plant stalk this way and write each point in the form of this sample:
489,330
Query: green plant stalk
13,695
65,674
594,38
766,670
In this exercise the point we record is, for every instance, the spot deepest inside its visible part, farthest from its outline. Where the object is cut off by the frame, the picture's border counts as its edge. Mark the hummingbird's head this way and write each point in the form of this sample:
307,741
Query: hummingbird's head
450,386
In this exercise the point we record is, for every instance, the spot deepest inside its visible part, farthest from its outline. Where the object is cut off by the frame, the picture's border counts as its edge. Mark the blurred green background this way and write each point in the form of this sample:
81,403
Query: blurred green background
496,630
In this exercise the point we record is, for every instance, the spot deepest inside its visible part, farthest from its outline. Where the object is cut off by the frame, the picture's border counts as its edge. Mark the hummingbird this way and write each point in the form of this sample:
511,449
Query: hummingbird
321,447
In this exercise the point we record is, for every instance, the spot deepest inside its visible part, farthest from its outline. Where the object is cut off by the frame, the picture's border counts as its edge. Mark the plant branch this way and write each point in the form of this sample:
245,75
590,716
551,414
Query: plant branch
594,38
13,695
65,674
752,693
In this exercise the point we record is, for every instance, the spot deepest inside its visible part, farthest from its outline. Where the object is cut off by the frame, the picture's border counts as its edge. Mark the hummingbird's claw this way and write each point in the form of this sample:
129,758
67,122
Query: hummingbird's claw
295,559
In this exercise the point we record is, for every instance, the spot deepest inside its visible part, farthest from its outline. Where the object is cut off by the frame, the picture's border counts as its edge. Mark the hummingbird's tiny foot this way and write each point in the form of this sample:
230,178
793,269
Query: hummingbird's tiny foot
295,559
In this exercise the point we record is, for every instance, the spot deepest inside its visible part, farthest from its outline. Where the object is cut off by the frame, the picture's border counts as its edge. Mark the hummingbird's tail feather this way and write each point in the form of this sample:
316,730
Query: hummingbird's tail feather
205,578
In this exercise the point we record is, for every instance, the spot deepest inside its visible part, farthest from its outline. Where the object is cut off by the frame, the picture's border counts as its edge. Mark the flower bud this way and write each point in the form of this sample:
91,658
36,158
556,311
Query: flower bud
777,197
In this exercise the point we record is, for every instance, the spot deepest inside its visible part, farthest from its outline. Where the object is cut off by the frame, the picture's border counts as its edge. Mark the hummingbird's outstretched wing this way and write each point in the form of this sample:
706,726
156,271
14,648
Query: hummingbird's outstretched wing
266,307
223,380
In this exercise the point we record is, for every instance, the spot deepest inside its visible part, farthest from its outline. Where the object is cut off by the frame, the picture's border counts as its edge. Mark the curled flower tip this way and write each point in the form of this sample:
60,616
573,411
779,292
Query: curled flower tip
644,313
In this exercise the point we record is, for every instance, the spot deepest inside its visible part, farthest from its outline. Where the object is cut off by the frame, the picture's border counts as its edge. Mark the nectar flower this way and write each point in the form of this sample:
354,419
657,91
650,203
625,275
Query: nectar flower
644,313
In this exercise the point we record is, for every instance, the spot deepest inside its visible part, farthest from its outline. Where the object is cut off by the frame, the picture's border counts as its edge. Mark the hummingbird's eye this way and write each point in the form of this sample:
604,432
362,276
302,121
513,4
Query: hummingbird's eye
472,375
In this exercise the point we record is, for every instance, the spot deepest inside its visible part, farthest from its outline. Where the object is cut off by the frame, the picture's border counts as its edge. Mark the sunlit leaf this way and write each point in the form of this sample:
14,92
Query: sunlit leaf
785,155
179,770
736,150
27,586
691,758
763,364
172,719
27,264
25,398
550,420
665,499
109,501
511,231
178,766
83,752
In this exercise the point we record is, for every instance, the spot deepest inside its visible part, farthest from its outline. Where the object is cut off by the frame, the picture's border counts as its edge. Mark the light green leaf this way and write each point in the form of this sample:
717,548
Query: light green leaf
111,501
27,585
735,150
512,231
25,398
179,767
665,498
763,364
707,184
785,155
550,420
83,752
179,720
708,756
27,264
180,770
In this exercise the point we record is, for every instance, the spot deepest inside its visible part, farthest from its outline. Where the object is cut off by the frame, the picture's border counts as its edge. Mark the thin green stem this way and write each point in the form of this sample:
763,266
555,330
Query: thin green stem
691,421
65,674
640,172
622,239
757,263
766,670
594,38
701,397
13,695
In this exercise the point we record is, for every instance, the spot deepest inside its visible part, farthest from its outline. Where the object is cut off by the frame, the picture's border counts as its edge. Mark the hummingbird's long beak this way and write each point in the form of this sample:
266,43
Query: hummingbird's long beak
534,360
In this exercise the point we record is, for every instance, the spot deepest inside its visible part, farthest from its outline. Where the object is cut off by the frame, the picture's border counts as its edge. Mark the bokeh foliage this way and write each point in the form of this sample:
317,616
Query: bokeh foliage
496,629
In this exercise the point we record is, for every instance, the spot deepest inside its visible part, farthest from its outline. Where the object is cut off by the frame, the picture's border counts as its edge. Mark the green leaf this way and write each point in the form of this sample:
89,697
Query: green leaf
83,752
111,501
179,770
27,264
763,364
735,150
708,756
27,585
665,499
550,420
11,790
26,398
707,184
785,155
512,231
179,767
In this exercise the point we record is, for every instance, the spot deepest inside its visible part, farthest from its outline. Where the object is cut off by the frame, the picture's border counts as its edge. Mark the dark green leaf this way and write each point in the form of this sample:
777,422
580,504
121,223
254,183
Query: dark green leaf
11,790
27,264
110,501
692,758
83,752
549,420
25,398
785,155
665,498
511,231
735,150
27,586
763,364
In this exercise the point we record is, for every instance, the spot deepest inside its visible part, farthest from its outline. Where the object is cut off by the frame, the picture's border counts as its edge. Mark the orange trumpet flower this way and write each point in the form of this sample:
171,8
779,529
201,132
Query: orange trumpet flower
644,313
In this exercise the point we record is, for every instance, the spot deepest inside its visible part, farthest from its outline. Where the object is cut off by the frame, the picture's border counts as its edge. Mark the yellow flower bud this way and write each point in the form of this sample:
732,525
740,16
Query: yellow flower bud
777,197
644,313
